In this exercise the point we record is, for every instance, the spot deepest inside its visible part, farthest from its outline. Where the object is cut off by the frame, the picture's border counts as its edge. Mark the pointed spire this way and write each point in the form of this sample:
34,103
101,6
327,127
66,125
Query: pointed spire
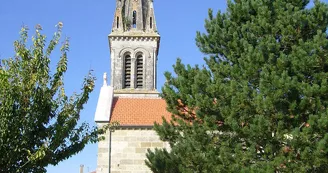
134,16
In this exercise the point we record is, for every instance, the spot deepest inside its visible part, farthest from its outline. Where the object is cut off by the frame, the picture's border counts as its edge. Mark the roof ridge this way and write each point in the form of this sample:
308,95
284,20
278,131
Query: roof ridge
141,98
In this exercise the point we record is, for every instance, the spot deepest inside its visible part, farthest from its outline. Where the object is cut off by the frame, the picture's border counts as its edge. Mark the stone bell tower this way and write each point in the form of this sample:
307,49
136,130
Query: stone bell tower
134,45
131,100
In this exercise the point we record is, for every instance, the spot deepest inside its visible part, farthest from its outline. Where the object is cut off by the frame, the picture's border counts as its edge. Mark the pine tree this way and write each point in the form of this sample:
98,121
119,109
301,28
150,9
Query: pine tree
260,102
38,121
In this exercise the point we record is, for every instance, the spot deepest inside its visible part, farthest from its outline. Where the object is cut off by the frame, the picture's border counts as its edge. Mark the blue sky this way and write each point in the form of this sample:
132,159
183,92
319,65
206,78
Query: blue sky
87,23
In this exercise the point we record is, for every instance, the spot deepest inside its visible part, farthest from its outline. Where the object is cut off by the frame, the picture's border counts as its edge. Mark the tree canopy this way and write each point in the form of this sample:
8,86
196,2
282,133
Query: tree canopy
38,121
259,104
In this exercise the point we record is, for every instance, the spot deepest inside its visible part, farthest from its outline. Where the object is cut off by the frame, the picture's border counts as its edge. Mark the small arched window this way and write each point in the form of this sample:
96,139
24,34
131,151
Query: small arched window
127,71
151,22
139,83
117,22
134,19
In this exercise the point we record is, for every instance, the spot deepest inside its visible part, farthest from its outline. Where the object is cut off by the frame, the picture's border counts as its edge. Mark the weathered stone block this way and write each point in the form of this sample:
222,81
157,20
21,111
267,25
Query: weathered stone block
142,138
154,138
140,150
134,144
103,150
157,144
128,150
127,161
130,138
120,132
118,138
139,162
146,144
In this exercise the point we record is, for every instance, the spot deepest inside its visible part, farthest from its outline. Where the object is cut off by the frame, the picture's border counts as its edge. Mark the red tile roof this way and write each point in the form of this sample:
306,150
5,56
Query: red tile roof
138,111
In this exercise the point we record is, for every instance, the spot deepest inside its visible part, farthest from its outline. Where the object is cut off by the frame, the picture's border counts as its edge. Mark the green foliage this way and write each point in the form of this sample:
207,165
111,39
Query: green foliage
260,103
38,121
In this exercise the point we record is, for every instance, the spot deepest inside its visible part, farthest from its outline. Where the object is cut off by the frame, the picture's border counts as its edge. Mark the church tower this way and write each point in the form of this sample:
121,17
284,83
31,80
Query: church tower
131,99
134,44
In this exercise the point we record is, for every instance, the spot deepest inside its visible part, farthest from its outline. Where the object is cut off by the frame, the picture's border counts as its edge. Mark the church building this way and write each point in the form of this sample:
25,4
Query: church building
131,99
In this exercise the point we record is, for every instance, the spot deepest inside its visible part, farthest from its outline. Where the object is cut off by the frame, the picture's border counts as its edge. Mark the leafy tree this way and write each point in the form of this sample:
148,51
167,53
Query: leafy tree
260,102
38,121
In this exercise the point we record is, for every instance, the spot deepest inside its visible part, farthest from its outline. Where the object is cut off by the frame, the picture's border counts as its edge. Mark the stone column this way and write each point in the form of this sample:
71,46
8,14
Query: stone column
149,72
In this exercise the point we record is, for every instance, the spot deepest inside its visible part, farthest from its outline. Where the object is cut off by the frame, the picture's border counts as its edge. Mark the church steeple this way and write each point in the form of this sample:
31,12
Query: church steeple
134,45
134,16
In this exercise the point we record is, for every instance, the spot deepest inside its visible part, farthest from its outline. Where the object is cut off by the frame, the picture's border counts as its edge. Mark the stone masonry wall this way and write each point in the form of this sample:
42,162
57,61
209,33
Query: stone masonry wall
103,152
128,150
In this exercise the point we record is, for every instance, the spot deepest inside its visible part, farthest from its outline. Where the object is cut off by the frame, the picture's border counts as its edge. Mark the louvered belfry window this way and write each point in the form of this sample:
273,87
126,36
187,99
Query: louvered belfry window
139,83
127,71
134,19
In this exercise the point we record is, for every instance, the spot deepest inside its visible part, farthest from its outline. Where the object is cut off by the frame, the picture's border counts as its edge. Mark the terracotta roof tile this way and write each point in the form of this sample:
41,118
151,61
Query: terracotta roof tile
138,111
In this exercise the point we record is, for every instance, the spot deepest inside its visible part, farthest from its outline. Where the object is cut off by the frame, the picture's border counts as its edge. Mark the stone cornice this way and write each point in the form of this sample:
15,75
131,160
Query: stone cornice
134,37
139,91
